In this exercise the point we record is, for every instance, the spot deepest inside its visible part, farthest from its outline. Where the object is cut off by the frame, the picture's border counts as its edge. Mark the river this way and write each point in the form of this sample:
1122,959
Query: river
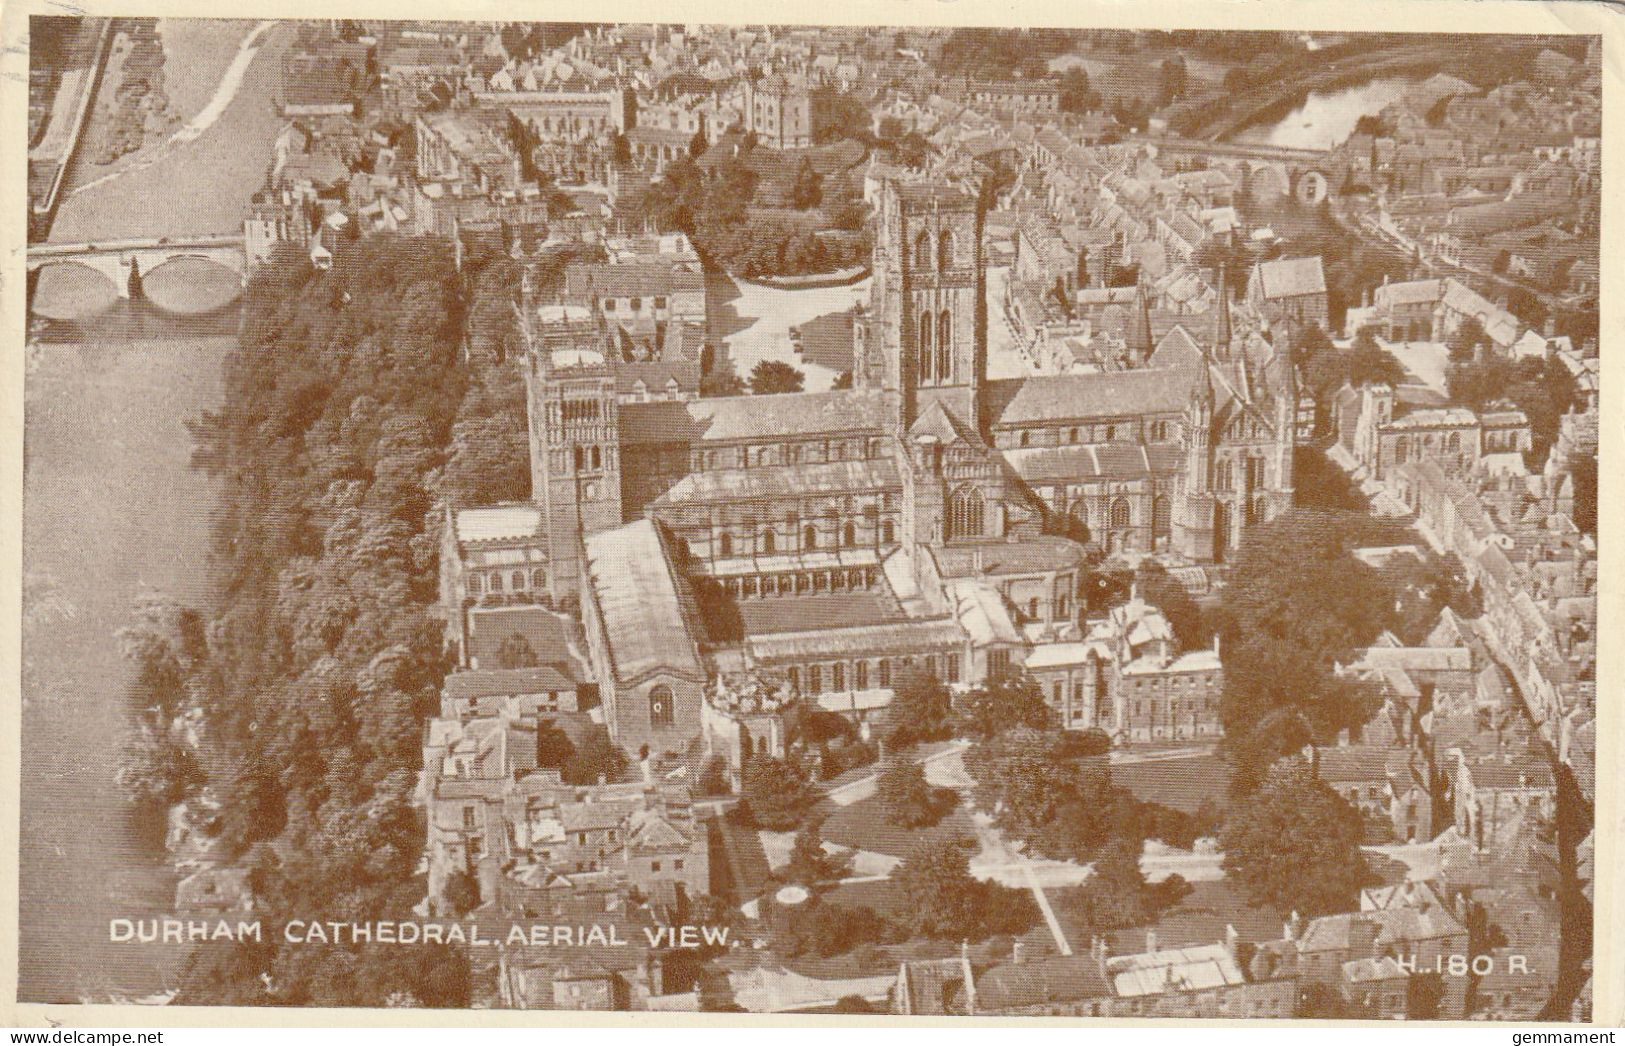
111,510
1324,119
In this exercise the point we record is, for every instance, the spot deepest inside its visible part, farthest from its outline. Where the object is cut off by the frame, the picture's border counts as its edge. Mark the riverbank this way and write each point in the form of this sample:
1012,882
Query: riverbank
199,184
111,509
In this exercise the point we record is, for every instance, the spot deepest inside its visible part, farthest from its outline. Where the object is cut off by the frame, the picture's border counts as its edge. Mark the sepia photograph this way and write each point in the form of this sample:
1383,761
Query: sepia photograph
892,521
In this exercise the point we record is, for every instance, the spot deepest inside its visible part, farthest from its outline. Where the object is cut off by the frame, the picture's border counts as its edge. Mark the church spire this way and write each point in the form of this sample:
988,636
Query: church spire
1221,322
1138,337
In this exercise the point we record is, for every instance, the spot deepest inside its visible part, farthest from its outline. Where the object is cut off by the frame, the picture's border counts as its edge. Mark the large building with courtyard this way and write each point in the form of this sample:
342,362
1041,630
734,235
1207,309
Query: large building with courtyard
928,516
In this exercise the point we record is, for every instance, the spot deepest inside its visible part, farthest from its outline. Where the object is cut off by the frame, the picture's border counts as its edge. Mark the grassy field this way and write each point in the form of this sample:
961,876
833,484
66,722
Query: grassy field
1182,784
863,826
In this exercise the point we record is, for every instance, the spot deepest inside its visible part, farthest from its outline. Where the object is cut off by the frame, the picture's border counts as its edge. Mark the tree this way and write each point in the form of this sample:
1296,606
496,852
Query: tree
1076,97
1003,702
921,709
462,893
1584,470
1115,895
554,749
809,864
596,759
697,145
1466,341
721,383
776,793
806,192
1163,591
1039,794
824,929
515,652
939,898
1370,364
842,380
910,800
1297,604
1172,79
156,765
771,377
1294,844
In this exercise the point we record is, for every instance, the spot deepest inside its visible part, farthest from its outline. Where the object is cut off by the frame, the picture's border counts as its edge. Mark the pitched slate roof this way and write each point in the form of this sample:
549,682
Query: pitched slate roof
1058,397
1291,277
784,481
1038,982
644,613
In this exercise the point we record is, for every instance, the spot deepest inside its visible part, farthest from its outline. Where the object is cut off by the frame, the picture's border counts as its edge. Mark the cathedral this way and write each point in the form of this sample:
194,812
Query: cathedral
926,516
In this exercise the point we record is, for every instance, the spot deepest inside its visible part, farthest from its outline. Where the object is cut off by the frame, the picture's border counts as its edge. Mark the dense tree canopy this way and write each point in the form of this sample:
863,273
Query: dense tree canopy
1294,844
940,898
1297,603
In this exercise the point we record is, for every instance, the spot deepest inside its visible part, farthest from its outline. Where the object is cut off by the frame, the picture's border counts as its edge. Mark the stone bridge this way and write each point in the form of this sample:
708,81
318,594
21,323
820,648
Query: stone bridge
114,258
1307,174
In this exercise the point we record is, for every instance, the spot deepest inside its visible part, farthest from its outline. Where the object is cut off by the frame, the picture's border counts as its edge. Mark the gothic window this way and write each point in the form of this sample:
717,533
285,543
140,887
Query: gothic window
945,251
849,535
888,532
517,580
922,252
795,679
767,541
860,672
580,459
496,582
927,360
884,671
1454,441
945,341
1261,511
597,459
1402,449
1222,479
725,544
967,516
474,584
837,676
809,537
815,679
1120,514
538,578
662,711
1161,515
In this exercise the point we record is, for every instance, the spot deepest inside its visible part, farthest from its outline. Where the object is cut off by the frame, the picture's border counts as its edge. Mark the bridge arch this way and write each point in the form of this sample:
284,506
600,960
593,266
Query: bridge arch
69,289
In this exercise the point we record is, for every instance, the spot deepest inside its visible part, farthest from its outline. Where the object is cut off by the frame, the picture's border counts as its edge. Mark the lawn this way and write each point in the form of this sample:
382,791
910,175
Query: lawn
863,826
1181,784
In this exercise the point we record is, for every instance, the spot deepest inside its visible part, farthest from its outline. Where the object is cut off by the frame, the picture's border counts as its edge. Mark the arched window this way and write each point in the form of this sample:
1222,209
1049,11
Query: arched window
538,578
767,541
1261,511
837,676
581,459
597,459
884,671
1120,512
967,517
795,678
1032,609
849,535
888,532
945,343
662,710
1402,449
725,544
517,579
815,679
474,585
496,582
945,251
1454,441
1161,515
860,672
809,536
927,359
922,252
